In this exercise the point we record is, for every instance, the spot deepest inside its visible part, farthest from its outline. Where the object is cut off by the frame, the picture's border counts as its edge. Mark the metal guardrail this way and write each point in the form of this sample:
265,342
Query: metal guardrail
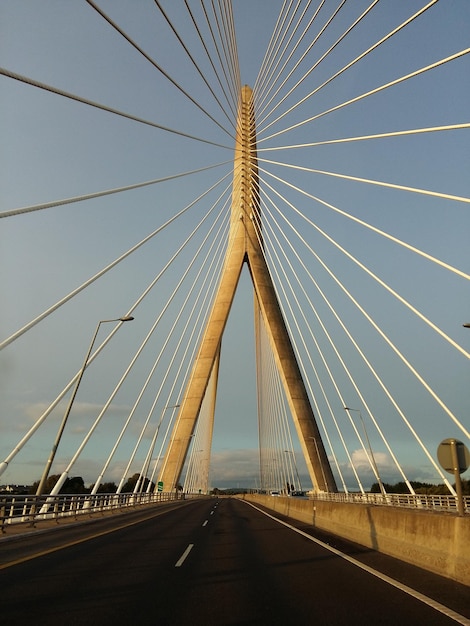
29,509
442,503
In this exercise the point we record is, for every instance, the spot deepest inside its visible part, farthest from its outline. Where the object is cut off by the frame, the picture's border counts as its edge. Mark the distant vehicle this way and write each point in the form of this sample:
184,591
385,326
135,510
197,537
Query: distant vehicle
274,493
298,494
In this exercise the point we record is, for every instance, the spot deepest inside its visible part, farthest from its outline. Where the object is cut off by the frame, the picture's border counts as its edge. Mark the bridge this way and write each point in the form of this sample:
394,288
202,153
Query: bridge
260,222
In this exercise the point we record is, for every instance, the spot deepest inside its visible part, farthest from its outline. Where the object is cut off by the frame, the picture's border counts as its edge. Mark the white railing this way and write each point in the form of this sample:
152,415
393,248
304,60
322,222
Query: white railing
29,509
441,503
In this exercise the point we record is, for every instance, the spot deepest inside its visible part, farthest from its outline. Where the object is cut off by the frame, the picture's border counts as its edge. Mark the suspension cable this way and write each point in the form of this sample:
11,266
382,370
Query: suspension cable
396,133
302,57
196,332
330,340
106,269
209,57
351,63
168,336
273,48
182,307
379,183
384,336
234,96
384,234
55,402
193,61
363,356
312,395
371,92
102,107
99,194
63,477
231,51
134,408
269,77
156,65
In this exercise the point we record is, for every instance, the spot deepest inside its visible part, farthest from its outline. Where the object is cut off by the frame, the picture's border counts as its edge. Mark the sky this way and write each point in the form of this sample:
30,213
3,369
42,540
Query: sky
55,148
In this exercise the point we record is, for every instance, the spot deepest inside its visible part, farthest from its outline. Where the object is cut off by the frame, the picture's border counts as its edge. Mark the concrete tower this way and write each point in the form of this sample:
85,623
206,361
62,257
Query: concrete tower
245,246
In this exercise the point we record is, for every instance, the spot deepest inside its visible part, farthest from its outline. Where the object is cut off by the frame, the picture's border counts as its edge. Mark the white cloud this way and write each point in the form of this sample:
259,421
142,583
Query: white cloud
361,462
234,467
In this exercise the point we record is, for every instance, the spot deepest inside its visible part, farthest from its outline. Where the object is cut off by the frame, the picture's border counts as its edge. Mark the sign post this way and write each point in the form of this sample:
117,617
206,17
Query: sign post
454,457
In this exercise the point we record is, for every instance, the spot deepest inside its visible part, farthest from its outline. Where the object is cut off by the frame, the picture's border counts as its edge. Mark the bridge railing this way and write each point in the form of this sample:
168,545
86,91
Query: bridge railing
29,509
441,503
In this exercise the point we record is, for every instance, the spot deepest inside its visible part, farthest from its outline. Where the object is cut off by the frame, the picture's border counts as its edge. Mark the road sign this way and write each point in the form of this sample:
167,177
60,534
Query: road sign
160,485
449,459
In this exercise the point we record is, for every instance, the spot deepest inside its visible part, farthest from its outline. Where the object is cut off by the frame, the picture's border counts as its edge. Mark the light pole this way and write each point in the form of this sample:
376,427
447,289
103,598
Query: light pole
374,464
140,485
467,325
45,474
295,467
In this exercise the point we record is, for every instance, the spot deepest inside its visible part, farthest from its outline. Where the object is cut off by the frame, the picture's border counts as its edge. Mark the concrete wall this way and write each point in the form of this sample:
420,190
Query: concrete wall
439,542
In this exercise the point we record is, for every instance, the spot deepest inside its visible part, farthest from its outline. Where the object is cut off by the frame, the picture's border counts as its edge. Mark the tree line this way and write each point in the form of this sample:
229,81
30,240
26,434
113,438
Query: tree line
76,485
421,488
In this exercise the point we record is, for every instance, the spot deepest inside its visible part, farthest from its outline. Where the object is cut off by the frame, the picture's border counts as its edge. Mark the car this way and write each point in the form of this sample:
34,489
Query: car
274,493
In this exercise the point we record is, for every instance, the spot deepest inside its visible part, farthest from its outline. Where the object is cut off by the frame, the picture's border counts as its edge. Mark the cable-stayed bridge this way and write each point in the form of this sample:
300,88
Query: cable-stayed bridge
121,182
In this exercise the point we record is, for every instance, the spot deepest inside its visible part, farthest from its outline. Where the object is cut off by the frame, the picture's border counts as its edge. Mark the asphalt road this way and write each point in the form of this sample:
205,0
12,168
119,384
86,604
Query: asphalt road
212,562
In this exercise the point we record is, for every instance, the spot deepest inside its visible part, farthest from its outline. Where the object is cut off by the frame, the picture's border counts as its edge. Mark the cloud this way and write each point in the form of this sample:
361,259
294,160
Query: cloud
84,412
234,467
361,462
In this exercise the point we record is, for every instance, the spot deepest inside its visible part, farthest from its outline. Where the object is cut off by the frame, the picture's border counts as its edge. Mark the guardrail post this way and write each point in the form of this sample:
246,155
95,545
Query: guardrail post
2,517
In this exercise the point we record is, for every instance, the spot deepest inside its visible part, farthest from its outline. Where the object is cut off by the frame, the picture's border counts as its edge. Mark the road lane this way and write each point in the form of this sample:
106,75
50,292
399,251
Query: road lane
243,568
256,571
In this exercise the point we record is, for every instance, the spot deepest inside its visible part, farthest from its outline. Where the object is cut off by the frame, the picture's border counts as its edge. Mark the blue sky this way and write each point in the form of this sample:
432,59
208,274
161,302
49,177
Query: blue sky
54,148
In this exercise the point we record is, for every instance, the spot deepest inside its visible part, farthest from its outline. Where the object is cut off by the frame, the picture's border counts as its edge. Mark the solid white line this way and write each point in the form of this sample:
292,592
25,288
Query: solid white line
460,619
182,558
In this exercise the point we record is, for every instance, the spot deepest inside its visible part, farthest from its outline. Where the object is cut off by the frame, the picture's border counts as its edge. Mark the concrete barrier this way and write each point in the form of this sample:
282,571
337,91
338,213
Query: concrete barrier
438,542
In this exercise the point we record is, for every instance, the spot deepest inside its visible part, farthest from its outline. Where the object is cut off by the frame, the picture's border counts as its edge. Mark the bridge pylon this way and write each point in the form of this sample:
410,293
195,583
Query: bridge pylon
245,246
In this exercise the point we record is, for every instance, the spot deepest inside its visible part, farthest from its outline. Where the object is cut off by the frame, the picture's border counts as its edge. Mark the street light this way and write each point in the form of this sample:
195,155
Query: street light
42,483
466,325
141,482
374,464
295,467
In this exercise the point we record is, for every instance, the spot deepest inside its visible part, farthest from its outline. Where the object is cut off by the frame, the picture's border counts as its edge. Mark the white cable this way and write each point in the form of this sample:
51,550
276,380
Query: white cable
351,63
106,269
371,92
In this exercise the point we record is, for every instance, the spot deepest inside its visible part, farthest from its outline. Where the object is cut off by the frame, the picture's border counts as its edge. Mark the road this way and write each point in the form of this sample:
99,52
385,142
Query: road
211,562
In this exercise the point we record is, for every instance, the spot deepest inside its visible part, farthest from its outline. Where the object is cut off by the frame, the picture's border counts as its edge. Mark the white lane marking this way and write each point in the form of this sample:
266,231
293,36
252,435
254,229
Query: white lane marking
460,619
182,558
212,512
205,523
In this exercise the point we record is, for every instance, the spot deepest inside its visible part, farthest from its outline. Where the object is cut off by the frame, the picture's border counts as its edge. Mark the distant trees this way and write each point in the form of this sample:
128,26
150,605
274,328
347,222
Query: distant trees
76,485
421,488
106,488
131,482
71,485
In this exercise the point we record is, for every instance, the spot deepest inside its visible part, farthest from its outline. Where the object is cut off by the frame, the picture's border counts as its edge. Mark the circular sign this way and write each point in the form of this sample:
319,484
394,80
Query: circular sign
453,455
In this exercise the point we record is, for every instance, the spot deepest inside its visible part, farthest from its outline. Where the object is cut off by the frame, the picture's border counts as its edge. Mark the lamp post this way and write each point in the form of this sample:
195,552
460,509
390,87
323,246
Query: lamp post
140,484
374,464
295,467
42,483
467,325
